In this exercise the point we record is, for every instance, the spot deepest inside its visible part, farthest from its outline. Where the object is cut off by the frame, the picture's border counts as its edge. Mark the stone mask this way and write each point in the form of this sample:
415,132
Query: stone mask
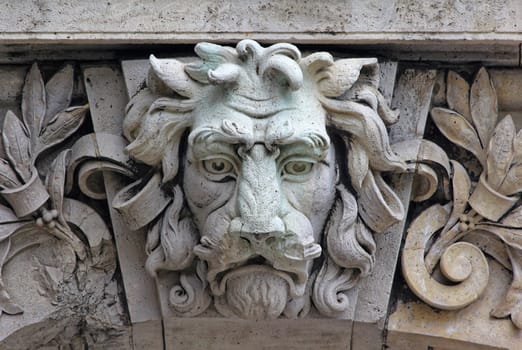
263,154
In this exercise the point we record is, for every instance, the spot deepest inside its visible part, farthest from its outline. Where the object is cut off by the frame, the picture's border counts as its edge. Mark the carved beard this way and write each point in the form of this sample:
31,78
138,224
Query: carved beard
256,296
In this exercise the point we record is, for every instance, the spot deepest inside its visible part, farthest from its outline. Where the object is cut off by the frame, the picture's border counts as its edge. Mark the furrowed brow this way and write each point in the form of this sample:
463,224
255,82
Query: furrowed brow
208,135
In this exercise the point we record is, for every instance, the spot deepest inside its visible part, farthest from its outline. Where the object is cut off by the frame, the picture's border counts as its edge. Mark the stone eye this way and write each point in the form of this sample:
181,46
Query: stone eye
298,167
217,166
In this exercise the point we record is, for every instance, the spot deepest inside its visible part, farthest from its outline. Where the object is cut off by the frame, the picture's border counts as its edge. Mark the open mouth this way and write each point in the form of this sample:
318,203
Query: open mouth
254,265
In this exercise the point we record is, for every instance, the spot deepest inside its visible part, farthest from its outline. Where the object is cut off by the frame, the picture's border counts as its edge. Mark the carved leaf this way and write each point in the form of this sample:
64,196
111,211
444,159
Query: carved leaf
55,181
457,95
458,130
514,218
58,91
7,215
490,245
8,178
33,101
512,303
9,223
8,228
510,236
517,146
17,145
461,185
6,304
500,152
484,106
61,126
513,181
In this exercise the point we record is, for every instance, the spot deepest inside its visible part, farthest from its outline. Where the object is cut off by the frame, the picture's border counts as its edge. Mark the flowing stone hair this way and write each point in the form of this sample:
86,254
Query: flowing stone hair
159,115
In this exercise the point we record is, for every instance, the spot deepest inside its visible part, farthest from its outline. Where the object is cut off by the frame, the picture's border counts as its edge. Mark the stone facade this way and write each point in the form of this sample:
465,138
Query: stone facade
274,175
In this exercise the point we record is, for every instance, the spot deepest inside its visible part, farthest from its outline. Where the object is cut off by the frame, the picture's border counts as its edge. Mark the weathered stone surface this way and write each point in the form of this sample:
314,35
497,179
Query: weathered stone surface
105,88
411,98
57,256
414,325
446,31
263,234
230,334
405,21
481,215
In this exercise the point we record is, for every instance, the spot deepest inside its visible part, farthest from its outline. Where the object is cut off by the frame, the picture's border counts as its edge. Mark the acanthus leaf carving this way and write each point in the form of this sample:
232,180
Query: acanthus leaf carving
481,215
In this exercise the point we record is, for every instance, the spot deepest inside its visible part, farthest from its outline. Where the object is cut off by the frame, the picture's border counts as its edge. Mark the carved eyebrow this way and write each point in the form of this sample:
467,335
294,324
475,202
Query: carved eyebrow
226,134
310,144
214,140
312,139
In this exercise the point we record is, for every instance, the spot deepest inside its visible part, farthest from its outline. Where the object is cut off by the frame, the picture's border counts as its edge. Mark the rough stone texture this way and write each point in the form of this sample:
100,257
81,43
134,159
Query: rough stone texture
303,21
444,30
208,333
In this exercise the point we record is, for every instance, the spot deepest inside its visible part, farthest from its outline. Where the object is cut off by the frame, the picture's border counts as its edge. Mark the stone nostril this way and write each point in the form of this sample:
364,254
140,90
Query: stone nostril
267,239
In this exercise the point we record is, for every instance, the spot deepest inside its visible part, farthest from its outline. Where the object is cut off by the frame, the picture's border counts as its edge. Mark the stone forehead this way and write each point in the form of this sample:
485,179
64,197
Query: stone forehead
300,110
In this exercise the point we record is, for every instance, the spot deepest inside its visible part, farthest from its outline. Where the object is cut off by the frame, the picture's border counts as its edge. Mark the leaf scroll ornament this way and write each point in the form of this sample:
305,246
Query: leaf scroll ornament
46,121
454,235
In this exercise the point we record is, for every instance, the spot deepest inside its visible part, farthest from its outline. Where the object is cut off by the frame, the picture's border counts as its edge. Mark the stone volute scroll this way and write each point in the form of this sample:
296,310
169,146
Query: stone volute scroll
481,214
264,184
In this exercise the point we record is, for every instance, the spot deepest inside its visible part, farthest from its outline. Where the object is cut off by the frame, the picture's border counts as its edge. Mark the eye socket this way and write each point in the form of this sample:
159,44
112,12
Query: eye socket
217,166
298,167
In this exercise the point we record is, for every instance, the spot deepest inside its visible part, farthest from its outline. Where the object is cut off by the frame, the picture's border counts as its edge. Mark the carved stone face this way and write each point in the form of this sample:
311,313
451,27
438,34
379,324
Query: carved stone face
260,189
260,221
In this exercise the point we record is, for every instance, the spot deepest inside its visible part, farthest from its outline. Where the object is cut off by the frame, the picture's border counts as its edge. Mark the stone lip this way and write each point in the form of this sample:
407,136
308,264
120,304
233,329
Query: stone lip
220,284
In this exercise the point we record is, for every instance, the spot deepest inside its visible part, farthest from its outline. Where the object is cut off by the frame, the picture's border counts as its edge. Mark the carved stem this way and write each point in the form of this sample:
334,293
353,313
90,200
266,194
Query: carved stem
462,262
63,232
455,233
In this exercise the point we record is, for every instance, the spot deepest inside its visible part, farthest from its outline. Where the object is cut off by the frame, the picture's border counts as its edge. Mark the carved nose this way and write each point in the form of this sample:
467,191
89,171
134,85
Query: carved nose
258,230
259,196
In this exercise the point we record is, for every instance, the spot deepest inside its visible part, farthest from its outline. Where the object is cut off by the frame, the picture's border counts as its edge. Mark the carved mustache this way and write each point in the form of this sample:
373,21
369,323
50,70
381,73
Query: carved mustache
284,253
